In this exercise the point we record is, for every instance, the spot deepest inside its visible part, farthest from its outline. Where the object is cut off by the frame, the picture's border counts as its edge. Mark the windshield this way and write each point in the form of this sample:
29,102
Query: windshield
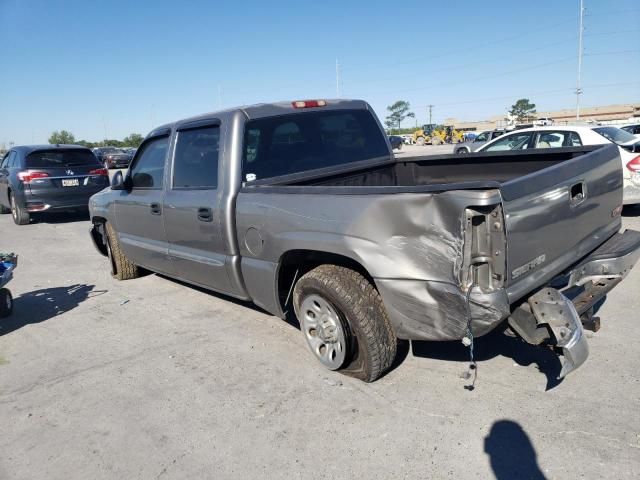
299,142
614,134
60,158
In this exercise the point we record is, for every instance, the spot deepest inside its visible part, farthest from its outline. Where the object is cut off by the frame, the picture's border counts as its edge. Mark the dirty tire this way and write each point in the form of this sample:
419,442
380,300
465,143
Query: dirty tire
19,214
371,341
6,303
121,267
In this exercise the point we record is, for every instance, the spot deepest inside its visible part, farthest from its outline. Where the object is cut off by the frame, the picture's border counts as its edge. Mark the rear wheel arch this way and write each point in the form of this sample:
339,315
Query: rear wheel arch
293,264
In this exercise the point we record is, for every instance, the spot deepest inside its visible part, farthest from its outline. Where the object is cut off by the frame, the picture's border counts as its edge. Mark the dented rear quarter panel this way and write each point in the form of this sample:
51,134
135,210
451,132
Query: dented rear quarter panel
410,243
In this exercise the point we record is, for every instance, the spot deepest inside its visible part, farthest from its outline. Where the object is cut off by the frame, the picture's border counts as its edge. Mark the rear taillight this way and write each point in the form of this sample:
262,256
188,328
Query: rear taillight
28,175
634,164
309,103
99,171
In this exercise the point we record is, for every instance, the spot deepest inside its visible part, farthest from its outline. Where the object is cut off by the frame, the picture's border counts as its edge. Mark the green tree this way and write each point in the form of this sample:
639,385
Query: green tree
61,136
133,140
397,113
523,110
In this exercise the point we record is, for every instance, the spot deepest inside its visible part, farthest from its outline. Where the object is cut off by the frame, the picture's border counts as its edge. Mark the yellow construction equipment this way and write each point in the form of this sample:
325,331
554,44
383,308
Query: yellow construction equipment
437,135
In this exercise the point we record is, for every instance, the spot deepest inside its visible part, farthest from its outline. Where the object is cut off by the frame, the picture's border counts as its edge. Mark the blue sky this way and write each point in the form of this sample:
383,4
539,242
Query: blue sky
109,68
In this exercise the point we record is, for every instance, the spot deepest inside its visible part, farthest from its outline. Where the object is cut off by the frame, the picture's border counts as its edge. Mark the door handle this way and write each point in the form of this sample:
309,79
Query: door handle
155,209
205,214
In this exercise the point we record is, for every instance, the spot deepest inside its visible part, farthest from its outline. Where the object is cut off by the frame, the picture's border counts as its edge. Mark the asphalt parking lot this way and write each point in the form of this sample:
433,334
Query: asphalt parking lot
150,378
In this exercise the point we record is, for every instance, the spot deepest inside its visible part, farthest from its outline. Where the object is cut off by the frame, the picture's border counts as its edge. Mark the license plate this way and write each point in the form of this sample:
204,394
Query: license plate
70,182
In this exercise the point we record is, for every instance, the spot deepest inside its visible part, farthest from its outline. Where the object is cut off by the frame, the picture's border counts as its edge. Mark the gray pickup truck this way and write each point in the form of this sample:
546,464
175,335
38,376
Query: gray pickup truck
303,205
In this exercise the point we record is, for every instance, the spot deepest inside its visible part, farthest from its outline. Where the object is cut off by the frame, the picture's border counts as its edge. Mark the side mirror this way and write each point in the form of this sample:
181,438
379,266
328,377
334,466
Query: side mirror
117,182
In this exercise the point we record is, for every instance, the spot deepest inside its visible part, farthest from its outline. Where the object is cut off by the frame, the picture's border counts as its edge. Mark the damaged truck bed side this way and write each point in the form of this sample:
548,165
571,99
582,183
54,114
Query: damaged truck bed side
373,248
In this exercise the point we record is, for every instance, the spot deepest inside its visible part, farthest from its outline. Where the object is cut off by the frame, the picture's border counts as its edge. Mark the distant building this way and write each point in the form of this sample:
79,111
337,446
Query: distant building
609,114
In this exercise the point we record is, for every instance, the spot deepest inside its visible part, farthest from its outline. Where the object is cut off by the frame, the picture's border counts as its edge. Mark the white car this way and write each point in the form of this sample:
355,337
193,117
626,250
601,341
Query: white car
577,136
543,122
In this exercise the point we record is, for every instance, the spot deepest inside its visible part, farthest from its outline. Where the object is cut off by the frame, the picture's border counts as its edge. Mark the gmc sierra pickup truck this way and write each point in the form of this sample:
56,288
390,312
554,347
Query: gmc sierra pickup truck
303,205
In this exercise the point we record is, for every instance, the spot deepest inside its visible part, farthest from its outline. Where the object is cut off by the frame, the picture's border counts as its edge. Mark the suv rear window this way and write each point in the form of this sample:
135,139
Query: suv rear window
305,141
60,158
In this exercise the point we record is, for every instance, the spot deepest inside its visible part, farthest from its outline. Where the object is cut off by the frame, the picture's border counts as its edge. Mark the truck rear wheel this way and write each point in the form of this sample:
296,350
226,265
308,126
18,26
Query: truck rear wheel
344,321
6,302
121,267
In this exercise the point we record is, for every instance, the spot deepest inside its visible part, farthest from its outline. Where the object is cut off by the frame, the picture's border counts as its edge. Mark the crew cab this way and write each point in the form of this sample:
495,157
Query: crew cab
302,208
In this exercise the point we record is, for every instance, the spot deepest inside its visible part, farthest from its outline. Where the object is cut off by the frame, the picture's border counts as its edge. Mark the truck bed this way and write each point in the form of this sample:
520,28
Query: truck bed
475,170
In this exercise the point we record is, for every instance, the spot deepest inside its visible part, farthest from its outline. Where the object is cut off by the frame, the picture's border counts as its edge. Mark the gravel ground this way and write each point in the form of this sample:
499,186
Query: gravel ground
151,378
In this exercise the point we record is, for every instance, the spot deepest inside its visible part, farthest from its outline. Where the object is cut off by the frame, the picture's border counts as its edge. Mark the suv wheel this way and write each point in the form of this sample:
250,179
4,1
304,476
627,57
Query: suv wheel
121,267
19,214
344,322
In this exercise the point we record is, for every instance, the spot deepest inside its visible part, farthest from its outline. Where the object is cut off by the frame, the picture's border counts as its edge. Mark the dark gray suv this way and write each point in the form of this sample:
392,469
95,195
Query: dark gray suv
43,178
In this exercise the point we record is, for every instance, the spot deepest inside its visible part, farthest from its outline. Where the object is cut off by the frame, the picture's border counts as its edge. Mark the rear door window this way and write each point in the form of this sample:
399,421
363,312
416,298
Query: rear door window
557,139
195,164
305,141
148,171
515,141
60,158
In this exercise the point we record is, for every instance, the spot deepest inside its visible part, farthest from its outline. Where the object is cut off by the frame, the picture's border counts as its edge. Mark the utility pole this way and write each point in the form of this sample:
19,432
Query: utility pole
337,79
580,52
430,108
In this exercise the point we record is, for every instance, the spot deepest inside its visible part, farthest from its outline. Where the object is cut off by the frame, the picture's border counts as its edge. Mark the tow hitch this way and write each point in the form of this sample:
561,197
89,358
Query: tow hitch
551,309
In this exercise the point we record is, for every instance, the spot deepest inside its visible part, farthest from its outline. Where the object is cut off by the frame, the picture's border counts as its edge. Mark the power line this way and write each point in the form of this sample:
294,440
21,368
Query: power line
563,91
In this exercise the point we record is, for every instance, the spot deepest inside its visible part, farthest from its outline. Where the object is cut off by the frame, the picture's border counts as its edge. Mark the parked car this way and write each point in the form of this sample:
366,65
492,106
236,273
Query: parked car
302,207
46,178
577,136
543,122
117,159
396,142
477,142
633,129
100,152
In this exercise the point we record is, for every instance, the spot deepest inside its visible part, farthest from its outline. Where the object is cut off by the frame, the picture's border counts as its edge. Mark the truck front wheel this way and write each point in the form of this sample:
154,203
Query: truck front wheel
121,267
344,321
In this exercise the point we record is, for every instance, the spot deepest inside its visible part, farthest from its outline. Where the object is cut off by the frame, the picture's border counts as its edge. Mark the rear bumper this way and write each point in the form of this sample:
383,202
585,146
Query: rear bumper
429,310
44,202
554,315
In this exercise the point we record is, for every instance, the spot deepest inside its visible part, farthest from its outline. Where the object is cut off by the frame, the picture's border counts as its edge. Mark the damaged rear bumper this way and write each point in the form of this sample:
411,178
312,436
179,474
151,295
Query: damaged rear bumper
431,310
554,315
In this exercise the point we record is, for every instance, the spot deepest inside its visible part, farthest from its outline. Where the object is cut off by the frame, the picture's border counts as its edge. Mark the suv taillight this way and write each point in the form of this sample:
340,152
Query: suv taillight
28,175
99,171
634,164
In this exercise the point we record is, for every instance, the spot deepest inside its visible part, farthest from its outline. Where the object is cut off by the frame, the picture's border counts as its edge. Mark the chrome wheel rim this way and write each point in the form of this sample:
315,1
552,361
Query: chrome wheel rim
324,331
7,300
14,208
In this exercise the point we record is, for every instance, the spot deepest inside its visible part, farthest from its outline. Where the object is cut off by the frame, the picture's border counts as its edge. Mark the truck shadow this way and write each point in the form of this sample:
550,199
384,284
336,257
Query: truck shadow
631,211
41,305
290,316
492,345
